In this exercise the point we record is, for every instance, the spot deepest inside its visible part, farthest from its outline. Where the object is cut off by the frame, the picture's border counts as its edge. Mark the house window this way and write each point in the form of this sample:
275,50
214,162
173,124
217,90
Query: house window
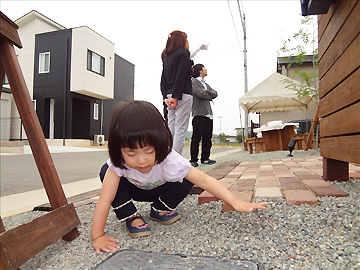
95,63
44,62
96,111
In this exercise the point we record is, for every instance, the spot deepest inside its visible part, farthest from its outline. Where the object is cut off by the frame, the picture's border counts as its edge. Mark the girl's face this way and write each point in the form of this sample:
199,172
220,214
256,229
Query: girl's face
141,159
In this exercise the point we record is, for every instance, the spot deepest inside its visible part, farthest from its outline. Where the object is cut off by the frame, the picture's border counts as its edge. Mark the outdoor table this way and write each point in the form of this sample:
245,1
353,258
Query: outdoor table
277,137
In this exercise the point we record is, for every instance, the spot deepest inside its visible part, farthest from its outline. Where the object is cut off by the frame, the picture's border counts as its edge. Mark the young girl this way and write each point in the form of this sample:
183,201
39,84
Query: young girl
144,167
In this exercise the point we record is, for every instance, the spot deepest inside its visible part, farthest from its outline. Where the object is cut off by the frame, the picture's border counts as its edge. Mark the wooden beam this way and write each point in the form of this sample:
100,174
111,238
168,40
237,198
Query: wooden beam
310,135
2,227
344,37
41,153
338,17
2,76
342,96
335,170
343,122
8,30
344,148
348,63
22,243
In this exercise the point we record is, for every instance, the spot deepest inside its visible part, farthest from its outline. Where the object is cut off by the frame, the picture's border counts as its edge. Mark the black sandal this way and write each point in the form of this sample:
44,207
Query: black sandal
137,231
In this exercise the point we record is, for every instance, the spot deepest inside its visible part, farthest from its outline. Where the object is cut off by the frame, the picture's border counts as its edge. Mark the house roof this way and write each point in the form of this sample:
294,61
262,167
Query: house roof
34,14
284,60
315,7
272,95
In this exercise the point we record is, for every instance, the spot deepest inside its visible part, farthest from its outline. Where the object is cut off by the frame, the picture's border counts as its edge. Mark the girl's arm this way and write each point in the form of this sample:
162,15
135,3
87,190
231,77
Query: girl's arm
107,194
213,186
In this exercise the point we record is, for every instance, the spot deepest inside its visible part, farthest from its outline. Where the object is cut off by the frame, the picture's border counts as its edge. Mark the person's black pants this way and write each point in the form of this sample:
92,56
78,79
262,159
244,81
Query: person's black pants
202,131
165,197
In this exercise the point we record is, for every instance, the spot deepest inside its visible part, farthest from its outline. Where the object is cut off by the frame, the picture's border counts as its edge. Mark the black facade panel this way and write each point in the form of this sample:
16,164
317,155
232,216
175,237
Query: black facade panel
74,113
55,84
124,77
124,74
84,126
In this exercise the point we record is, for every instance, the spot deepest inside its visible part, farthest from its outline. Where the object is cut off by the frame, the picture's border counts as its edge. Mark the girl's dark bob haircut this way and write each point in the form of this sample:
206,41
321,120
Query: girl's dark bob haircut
138,124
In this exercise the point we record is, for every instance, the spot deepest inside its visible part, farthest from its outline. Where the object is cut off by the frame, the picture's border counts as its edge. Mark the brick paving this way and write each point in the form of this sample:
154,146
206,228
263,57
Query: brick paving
299,181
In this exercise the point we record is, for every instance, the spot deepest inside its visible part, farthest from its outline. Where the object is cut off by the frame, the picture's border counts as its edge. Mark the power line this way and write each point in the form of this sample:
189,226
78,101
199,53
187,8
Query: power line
232,17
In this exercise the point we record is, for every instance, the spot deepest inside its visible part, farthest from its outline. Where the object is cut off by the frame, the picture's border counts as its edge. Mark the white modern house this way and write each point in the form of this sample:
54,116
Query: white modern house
74,78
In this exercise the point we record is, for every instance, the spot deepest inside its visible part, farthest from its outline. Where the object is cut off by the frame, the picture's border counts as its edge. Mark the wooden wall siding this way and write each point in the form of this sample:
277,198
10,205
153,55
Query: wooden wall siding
342,40
345,148
343,67
330,23
343,95
339,82
347,122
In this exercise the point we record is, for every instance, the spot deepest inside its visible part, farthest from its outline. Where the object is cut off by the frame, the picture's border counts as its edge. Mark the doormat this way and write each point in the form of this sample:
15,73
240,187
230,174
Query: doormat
143,260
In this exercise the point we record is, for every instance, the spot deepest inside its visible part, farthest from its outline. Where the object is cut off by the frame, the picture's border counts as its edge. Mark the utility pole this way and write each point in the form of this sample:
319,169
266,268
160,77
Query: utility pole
245,72
245,80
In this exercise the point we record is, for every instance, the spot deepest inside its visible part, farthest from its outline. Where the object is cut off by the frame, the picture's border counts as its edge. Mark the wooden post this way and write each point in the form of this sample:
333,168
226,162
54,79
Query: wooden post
335,170
55,228
315,121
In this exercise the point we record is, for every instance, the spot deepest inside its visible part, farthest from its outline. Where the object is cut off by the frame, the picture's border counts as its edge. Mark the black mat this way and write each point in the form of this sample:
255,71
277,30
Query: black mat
135,259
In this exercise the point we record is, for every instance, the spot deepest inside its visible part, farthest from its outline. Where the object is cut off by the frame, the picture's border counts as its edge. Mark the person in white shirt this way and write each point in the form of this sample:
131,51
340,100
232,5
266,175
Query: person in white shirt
202,121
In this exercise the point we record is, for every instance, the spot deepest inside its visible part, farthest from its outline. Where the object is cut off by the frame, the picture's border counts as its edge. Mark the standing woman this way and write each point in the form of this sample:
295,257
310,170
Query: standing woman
176,86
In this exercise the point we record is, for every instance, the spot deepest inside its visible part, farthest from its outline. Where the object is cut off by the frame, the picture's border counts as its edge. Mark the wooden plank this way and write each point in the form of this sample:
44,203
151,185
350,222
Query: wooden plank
2,227
346,121
343,95
40,150
344,148
342,40
311,132
2,76
8,30
344,66
25,241
324,19
286,134
337,20
335,170
76,200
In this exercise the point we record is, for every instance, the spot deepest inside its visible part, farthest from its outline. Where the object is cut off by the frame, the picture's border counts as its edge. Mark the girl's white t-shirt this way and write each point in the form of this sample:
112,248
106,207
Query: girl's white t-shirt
173,169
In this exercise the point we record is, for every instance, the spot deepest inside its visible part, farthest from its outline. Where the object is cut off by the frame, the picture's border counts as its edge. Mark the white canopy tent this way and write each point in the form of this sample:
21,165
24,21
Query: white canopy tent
271,96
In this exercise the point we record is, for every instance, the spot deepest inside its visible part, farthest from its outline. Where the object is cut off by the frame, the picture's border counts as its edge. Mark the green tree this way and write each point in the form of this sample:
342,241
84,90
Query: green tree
222,137
239,138
301,43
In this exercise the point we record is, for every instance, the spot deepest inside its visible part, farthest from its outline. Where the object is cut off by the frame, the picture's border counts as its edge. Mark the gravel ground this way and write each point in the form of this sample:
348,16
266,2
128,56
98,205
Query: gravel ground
281,237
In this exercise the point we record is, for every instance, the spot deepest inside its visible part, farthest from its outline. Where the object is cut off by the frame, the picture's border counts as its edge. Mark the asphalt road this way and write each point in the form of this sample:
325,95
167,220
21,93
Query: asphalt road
19,173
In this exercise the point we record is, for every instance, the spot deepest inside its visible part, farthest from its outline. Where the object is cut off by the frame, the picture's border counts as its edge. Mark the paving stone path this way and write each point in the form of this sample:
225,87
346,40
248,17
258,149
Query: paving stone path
299,181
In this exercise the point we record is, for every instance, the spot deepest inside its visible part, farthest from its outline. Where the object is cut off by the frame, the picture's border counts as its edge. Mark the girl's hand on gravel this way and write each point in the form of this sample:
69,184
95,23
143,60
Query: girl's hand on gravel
248,207
105,243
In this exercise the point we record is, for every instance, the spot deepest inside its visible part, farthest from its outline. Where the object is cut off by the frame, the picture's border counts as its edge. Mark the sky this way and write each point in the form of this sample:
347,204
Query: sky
139,30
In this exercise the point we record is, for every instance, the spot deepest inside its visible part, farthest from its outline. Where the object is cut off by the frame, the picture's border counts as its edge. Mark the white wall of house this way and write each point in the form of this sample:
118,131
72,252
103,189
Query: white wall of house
287,116
29,25
86,82
5,116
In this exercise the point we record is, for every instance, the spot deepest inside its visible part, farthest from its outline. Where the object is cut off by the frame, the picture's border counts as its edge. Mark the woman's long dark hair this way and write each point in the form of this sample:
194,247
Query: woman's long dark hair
138,124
